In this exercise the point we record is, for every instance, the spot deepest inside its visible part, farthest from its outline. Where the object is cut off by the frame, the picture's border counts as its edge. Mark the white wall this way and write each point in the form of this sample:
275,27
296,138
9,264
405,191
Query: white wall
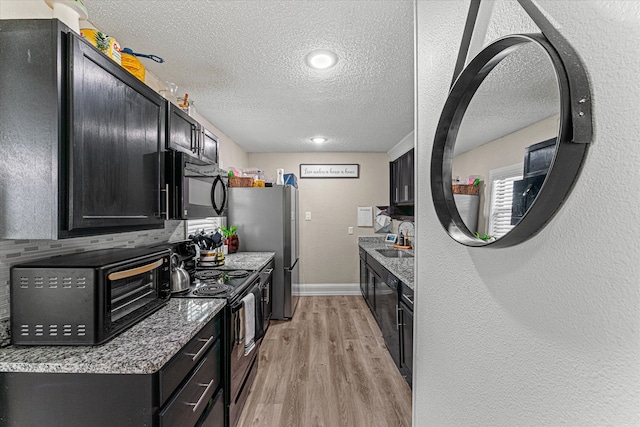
506,151
546,332
230,154
328,255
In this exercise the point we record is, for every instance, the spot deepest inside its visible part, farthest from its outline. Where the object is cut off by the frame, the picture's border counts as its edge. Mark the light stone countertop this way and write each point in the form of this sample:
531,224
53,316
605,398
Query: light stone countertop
248,260
402,268
10,357
142,349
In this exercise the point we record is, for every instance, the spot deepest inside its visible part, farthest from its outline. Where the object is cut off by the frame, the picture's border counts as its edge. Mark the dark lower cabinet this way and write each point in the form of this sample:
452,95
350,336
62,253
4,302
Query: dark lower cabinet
386,308
76,400
363,274
371,290
190,401
391,303
187,391
406,333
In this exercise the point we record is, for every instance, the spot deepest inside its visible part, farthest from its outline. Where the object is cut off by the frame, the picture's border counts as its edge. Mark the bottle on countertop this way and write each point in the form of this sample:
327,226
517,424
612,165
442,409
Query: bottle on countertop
401,239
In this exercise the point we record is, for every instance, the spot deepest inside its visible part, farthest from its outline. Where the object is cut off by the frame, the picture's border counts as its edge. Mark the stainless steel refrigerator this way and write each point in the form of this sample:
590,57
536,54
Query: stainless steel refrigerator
267,220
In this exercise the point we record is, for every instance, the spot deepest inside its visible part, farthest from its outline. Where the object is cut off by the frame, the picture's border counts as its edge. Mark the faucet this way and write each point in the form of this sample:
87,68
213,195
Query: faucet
407,241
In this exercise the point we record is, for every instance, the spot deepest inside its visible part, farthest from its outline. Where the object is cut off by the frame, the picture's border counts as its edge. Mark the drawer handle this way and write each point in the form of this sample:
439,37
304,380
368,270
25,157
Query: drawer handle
202,398
204,348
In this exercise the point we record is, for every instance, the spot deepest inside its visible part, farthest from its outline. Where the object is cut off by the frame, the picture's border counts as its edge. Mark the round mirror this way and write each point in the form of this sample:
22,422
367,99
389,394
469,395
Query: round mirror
503,161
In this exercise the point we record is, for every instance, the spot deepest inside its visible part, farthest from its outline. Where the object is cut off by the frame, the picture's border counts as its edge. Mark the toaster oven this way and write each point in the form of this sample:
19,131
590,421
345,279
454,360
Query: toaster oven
86,298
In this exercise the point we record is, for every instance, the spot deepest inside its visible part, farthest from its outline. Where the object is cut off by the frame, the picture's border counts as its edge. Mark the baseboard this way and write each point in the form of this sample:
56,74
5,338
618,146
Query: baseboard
324,289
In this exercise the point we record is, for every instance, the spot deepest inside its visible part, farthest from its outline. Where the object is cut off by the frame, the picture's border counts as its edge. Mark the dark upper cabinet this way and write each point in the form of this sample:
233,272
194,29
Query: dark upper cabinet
406,178
537,161
182,131
394,182
401,176
538,158
208,146
116,133
185,134
81,138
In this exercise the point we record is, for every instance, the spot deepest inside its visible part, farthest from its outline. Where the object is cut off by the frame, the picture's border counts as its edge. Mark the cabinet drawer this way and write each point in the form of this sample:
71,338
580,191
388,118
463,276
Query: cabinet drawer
188,404
177,369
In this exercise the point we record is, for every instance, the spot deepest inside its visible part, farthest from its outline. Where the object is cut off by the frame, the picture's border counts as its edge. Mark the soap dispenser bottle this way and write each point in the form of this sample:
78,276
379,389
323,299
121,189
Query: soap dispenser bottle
401,239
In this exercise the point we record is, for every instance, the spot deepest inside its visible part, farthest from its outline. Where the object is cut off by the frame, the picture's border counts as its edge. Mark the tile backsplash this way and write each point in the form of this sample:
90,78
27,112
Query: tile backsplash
20,251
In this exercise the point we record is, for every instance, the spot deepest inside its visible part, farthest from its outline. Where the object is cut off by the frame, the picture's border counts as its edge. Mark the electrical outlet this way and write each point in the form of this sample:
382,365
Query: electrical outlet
350,230
307,216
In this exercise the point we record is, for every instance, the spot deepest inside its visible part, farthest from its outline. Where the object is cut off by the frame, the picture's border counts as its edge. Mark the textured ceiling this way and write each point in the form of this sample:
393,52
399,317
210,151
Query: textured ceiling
520,91
242,63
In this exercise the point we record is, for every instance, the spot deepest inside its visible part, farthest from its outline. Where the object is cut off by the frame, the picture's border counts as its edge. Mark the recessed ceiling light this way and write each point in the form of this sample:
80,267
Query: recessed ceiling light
321,59
318,139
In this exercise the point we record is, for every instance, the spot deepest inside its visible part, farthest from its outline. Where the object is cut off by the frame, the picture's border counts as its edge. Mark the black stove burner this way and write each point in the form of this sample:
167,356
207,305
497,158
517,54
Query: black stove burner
207,274
211,290
207,265
238,273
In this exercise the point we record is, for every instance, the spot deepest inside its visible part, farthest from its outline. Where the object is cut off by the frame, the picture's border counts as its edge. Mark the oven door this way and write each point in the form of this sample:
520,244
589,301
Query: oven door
135,289
240,364
266,278
197,189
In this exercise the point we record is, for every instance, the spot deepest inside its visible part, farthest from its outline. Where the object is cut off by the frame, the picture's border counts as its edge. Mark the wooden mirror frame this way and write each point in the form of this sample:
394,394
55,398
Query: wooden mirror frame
574,132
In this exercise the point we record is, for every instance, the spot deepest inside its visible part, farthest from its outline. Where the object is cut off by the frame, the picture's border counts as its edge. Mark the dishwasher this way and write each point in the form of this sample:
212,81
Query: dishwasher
386,308
406,333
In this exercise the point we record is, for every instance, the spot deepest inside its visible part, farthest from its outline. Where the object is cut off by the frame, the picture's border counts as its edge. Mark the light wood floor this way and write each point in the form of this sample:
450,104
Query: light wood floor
328,366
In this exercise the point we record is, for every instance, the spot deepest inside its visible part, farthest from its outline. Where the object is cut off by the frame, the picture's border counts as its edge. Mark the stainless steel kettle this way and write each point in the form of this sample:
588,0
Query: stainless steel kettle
180,280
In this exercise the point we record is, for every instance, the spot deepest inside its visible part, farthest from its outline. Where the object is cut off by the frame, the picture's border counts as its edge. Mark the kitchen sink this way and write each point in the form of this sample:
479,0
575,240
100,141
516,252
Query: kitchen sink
394,253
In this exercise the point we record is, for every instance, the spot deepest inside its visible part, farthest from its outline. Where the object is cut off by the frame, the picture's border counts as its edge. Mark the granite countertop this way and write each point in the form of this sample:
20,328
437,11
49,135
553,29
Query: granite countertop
142,349
402,268
248,260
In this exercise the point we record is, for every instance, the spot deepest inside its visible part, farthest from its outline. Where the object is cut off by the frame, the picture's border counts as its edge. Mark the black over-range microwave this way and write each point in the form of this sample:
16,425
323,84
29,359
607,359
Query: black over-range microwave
87,298
195,188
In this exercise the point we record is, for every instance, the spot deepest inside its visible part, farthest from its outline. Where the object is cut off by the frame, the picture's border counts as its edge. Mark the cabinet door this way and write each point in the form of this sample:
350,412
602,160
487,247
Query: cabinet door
116,132
394,185
371,290
182,131
209,147
363,278
407,343
387,313
407,177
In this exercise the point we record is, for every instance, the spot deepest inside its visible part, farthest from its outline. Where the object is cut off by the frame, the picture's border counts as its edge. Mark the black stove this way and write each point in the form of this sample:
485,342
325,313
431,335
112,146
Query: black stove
218,283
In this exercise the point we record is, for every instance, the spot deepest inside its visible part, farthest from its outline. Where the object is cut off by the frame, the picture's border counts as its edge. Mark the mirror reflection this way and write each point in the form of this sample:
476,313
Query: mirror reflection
506,142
